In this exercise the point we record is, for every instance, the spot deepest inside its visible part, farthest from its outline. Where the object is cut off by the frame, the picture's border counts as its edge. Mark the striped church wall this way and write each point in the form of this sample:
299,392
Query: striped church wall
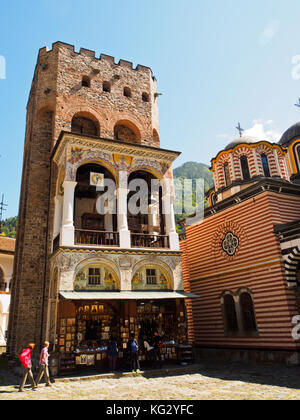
187,288
264,149
257,265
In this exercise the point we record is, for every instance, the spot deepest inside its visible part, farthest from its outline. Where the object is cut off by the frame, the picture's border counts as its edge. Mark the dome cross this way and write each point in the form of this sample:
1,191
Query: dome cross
240,129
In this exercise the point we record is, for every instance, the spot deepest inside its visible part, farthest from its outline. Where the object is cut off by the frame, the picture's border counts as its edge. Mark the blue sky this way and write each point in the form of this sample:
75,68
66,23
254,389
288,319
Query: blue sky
217,63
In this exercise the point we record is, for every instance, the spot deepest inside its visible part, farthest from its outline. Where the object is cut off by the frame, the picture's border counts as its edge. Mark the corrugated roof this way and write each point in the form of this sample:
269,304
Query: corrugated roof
126,295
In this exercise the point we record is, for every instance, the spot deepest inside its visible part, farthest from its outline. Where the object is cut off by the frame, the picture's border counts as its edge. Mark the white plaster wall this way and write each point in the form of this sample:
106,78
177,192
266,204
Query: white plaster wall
6,263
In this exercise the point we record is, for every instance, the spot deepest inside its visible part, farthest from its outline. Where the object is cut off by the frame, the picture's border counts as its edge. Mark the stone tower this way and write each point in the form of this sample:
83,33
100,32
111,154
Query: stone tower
84,111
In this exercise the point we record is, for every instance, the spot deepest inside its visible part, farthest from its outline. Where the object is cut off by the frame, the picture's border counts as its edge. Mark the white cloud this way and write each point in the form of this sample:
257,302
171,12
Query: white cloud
269,32
263,130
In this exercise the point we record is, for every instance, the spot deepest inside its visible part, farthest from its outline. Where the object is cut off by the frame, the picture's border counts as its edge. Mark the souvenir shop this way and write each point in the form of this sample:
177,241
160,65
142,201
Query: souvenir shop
84,328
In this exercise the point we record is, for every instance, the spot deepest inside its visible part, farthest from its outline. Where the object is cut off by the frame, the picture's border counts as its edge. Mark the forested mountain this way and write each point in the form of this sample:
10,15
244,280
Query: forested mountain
195,170
190,171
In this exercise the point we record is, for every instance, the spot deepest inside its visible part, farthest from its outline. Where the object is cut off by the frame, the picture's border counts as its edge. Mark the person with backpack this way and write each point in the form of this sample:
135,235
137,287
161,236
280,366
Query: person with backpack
133,349
44,370
112,354
25,358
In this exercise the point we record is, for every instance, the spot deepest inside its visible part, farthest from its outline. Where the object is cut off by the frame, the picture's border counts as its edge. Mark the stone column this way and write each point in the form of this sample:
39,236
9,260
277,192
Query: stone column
153,215
122,192
67,229
168,210
58,201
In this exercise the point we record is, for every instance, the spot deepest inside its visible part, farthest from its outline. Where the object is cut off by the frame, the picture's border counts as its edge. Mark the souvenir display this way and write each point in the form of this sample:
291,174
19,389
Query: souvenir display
83,340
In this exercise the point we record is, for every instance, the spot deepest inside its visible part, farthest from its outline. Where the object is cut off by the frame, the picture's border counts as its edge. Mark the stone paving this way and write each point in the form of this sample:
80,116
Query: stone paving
206,381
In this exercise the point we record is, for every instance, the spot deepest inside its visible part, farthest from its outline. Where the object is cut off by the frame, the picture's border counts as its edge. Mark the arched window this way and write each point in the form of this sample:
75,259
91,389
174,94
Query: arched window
230,314
214,199
247,313
265,164
227,174
83,125
298,155
145,97
245,168
127,132
127,92
106,87
86,81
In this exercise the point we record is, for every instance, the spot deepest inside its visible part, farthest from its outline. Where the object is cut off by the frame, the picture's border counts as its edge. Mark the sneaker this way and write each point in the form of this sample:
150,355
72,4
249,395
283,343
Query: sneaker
138,371
133,371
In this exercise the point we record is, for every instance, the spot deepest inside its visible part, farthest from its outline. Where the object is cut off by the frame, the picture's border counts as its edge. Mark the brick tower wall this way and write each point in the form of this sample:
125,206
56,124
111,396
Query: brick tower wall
56,96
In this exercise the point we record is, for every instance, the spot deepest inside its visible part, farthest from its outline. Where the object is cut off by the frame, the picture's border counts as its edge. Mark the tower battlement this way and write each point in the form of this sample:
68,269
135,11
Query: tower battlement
86,53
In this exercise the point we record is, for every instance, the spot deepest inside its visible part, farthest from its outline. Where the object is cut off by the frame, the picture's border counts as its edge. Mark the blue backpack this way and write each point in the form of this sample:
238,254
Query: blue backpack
134,346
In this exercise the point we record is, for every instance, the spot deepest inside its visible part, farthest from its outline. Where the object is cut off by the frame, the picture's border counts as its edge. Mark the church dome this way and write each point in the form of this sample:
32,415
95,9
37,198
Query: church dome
241,140
290,134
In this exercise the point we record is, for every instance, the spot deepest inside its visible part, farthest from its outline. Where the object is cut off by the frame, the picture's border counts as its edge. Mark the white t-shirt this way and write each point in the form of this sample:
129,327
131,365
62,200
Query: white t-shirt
147,345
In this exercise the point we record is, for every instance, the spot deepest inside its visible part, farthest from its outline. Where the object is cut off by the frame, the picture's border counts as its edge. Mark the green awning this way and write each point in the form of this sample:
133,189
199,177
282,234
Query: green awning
144,295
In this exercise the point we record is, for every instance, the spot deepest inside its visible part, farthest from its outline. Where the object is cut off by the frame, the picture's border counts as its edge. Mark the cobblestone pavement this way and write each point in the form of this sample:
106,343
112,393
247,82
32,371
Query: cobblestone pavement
208,381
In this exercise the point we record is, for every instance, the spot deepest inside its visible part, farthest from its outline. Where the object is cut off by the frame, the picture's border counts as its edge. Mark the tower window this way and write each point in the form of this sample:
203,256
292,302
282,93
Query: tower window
265,164
86,82
227,174
145,97
106,87
245,168
127,92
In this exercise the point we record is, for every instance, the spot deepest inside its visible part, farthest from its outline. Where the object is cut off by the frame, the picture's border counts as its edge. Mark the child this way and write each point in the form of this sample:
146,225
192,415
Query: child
25,358
44,370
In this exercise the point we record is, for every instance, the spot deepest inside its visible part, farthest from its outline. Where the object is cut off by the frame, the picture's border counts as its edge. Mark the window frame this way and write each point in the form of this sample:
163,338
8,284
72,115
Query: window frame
151,279
94,279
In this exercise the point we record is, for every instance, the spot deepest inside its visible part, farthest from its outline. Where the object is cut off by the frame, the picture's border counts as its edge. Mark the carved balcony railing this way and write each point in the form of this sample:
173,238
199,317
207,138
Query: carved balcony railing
141,240
97,238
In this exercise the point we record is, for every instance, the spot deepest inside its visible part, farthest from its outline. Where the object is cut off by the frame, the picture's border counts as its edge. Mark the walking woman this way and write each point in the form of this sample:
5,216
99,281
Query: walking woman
44,369
25,358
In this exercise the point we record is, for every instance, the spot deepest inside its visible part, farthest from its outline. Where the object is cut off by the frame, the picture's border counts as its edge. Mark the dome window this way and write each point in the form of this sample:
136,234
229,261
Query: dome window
265,164
227,174
245,168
